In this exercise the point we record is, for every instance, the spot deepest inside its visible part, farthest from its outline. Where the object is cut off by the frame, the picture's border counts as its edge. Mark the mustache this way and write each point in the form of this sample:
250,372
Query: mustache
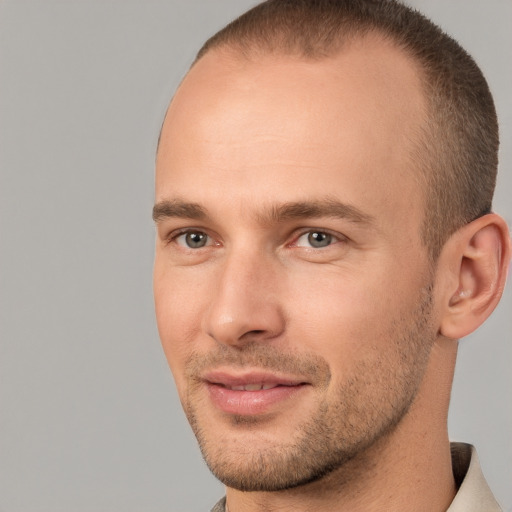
308,366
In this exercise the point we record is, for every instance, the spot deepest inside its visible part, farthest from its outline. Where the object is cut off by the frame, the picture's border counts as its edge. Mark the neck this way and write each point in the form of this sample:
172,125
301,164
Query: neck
409,469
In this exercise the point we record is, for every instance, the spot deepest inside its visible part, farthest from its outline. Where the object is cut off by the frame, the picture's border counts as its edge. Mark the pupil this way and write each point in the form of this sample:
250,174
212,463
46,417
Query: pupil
318,239
195,240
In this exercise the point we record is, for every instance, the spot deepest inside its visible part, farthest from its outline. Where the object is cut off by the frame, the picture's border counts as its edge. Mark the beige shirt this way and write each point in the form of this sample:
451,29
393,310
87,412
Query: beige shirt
473,493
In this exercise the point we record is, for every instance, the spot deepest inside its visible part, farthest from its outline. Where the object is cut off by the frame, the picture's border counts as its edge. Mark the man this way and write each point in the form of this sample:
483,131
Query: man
323,207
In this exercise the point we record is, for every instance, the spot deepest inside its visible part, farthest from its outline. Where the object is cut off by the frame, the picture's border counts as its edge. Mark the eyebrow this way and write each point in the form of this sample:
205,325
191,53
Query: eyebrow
179,209
327,207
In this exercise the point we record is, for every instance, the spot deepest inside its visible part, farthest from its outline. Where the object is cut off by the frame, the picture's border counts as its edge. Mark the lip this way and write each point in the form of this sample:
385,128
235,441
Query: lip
278,389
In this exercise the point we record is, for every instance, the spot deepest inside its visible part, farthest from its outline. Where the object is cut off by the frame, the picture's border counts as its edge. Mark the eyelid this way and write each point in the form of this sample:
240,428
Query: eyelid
338,237
173,235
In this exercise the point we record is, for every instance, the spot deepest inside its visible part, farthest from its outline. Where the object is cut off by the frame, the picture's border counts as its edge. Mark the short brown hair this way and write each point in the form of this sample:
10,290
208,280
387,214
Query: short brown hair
458,152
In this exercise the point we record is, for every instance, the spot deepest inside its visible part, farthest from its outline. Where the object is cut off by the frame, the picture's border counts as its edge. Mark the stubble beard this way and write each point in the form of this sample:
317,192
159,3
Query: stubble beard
370,404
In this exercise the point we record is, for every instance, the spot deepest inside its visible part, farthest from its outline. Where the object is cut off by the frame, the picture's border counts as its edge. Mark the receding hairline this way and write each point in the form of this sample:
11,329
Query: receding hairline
235,55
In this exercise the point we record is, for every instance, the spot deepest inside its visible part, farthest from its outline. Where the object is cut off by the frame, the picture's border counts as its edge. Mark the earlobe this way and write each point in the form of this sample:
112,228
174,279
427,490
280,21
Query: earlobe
480,255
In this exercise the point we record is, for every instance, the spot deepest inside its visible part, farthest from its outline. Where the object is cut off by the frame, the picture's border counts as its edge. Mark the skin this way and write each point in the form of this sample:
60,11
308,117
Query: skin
358,322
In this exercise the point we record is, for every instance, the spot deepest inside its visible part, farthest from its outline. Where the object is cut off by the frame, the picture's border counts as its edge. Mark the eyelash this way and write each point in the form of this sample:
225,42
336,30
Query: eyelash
333,238
174,236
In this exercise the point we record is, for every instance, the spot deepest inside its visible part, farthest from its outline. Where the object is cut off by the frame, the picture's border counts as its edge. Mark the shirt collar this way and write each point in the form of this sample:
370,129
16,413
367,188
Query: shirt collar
473,493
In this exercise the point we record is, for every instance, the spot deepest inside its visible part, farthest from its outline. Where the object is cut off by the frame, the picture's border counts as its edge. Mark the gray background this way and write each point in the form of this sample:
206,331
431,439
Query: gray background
89,419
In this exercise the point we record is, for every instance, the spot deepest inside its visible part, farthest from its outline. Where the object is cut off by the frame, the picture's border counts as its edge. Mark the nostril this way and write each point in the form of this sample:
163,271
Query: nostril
253,335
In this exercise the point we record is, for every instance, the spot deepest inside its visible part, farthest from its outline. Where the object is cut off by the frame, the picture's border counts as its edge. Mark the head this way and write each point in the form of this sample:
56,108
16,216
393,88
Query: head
324,178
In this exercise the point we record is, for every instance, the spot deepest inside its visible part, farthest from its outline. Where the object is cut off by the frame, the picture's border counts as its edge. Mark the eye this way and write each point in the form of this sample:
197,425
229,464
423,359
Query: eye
193,239
316,239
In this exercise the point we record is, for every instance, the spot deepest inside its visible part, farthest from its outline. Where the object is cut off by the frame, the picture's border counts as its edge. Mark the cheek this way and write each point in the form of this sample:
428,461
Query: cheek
344,318
332,300
178,313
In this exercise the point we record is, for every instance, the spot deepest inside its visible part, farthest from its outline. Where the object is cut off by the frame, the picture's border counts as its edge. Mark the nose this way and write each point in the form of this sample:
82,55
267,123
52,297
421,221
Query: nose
245,302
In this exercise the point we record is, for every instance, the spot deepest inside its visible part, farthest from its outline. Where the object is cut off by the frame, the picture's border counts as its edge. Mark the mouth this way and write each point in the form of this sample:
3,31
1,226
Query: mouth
251,387
252,393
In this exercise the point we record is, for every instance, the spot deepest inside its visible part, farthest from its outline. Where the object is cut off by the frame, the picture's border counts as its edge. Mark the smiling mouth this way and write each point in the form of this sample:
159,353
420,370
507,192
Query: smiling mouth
251,394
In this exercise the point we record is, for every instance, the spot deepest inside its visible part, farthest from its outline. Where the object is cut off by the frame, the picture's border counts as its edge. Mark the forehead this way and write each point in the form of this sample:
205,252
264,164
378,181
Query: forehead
349,120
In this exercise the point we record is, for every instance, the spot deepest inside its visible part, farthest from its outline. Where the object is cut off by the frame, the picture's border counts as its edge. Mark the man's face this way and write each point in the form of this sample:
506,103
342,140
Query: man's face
292,289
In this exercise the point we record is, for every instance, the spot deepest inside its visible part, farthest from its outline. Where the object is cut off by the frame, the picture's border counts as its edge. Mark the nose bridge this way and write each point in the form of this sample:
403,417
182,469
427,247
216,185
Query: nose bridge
245,303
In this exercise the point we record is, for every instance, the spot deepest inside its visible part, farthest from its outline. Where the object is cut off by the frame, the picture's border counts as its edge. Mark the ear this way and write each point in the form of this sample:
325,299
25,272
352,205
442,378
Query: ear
478,256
